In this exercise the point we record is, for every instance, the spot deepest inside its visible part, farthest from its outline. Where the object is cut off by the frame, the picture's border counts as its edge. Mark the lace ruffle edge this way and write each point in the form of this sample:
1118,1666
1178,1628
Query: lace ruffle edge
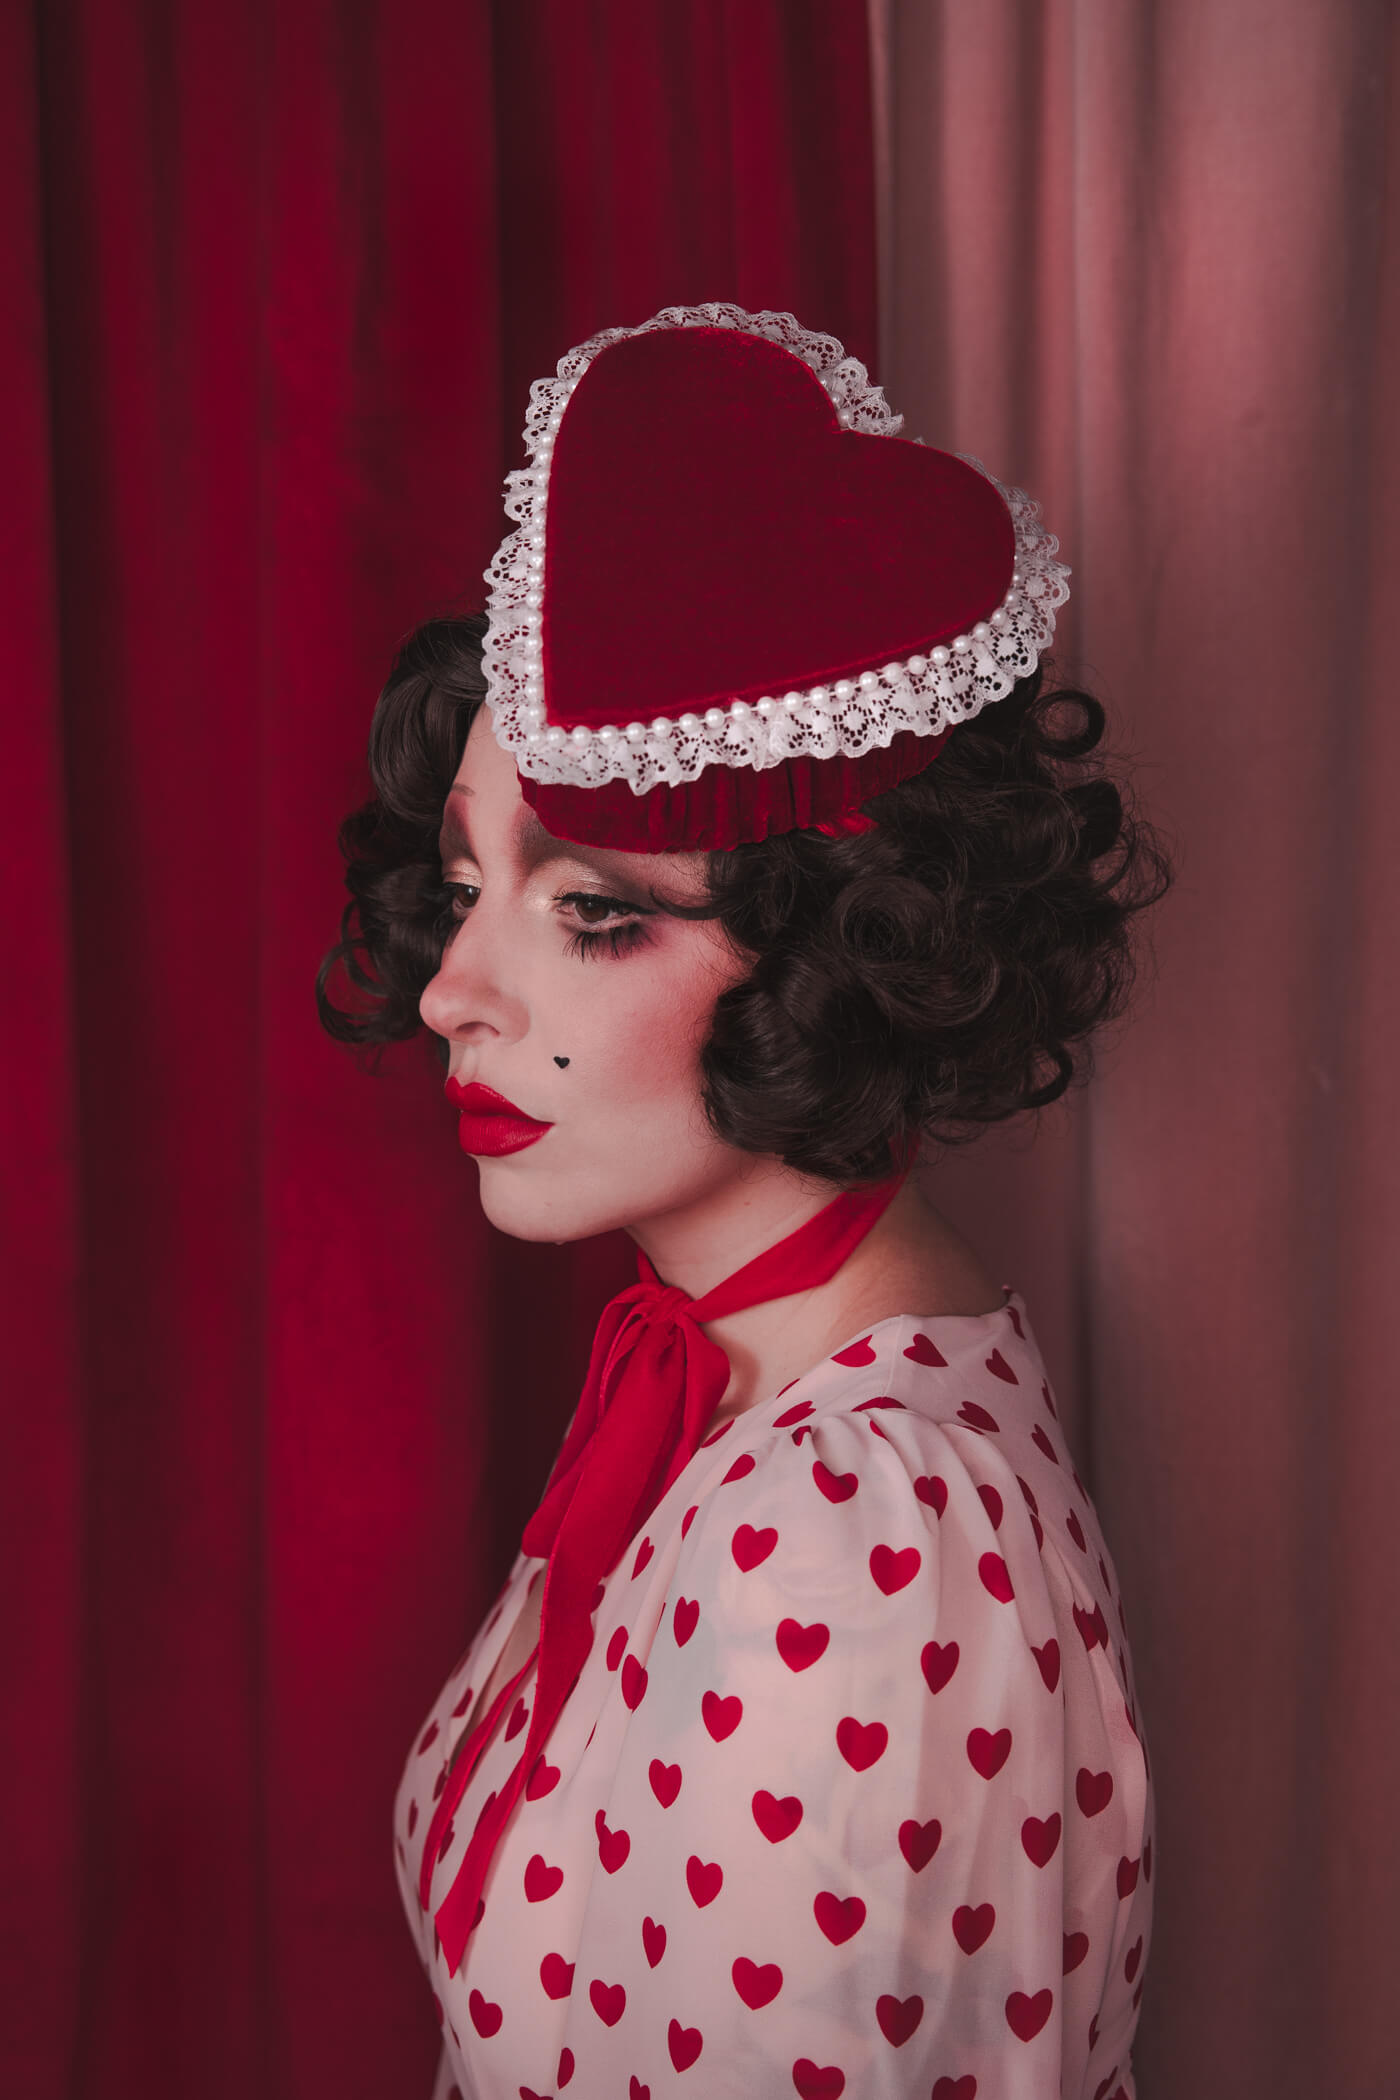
925,694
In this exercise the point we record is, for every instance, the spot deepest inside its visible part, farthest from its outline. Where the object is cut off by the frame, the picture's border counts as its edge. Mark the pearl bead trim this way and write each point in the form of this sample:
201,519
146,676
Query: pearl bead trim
850,717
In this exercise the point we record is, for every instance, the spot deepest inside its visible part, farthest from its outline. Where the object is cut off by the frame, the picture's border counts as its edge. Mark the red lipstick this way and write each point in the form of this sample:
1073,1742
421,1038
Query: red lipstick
490,1125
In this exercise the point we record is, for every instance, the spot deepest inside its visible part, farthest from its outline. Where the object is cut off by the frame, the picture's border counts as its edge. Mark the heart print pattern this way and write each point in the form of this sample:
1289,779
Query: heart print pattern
851,1796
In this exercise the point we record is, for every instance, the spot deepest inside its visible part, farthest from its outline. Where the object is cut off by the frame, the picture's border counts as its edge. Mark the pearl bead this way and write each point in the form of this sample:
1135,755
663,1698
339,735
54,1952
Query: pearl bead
635,732
740,710
580,735
606,734
689,723
817,696
960,641
998,618
536,539
554,736
792,701
765,706
661,726
868,681
844,689
980,631
940,656
534,600
714,718
535,561
534,737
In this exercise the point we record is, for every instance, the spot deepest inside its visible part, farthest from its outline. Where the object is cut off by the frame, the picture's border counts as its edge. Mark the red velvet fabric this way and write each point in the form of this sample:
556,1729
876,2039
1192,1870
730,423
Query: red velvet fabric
713,534
276,1401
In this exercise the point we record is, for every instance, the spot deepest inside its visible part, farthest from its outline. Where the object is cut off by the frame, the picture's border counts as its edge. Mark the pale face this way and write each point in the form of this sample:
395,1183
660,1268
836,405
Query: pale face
558,952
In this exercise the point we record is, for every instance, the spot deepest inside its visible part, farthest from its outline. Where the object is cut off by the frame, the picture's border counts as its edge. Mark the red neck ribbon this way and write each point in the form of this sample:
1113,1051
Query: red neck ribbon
654,1380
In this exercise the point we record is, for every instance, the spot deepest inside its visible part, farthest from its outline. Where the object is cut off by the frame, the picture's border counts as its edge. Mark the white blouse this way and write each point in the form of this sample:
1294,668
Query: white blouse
852,1794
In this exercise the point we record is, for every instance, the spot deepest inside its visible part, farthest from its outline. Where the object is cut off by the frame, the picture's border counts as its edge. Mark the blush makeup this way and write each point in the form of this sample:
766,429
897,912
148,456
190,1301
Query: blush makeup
491,1126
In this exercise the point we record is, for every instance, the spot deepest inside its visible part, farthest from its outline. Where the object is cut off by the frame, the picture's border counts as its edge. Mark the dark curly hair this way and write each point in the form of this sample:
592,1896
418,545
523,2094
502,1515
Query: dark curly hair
939,973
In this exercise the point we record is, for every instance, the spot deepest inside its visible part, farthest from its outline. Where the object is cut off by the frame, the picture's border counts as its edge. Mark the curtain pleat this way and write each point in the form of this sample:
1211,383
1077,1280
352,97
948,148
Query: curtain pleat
1147,261
277,1400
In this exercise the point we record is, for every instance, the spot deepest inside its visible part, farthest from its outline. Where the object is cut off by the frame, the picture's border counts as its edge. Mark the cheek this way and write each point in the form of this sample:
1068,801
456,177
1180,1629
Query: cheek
641,1036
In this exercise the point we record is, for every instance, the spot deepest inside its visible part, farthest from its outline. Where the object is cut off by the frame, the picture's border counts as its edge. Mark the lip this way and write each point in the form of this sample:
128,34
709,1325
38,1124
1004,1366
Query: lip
489,1125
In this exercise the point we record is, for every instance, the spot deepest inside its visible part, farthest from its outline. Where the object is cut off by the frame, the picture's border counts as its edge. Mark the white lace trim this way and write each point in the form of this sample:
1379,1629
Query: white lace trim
850,717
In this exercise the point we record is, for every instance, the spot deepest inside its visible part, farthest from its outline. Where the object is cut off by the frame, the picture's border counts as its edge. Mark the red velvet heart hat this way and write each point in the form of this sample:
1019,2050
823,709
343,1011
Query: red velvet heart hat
737,601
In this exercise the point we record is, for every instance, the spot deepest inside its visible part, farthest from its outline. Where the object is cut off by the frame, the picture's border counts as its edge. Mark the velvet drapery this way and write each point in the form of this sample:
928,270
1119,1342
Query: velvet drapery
1146,259
284,273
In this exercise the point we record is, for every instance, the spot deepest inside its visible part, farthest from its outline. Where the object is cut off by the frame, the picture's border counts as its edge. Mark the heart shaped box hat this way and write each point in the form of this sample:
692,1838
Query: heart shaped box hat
737,601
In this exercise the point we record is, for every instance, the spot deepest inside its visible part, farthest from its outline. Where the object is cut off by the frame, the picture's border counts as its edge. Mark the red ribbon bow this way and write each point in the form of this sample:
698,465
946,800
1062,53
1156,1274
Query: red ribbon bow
654,1380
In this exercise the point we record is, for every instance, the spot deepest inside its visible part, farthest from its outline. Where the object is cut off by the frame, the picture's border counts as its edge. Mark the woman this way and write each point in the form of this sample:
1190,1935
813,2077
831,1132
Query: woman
801,1751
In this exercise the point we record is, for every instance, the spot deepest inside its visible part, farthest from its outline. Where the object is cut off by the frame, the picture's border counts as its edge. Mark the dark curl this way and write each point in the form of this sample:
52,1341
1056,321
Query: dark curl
940,973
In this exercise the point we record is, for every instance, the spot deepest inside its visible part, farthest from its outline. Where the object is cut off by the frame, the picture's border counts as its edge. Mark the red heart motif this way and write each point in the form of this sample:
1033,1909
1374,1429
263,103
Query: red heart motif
793,1414
704,1879
715,1434
654,1940
1015,1318
1076,1531
972,1928
932,1489
757,1987
964,2088
1076,1947
1128,1875
486,2017
613,1845
683,1619
1131,1959
644,1553
776,1819
861,1746
863,1407
1048,1657
684,2043
1093,1791
919,1841
1091,1626
636,2090
617,1646
462,1704
938,1662
837,1487
1043,1444
542,1780
600,1590
976,1417
996,1579
750,1547
1040,1839
688,1519
898,2017
1026,1496
634,1682
609,2001
894,1571
412,1816
721,1716
541,1880
856,1354
992,1503
988,1753
805,1429
716,456
922,1351
665,1781
429,1737
445,1841
818,2081
526,2093
800,1646
1036,1528
740,1467
838,1920
557,1976
1026,2016
1000,1368
517,1719
566,2067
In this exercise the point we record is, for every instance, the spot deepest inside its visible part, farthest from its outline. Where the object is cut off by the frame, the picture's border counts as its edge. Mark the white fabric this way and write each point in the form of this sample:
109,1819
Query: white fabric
922,694
978,1821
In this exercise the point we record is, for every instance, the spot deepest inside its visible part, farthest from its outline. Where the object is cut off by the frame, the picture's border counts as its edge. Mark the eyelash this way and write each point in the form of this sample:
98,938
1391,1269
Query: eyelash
584,941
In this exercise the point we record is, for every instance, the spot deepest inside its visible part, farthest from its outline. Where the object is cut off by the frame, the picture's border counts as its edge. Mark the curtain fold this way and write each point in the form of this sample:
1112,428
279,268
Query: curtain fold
284,274
1147,261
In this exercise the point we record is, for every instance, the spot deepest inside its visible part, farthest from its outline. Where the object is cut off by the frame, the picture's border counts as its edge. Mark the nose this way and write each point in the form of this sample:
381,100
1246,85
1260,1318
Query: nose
473,994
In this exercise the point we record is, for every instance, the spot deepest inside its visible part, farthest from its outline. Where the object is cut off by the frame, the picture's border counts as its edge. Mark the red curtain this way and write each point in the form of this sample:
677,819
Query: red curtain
277,1401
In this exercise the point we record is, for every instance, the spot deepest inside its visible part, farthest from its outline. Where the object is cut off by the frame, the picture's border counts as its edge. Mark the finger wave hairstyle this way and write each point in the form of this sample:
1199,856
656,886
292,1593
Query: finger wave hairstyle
940,973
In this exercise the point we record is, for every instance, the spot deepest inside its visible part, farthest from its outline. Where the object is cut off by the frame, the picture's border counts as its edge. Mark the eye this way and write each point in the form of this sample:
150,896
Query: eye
451,901
593,910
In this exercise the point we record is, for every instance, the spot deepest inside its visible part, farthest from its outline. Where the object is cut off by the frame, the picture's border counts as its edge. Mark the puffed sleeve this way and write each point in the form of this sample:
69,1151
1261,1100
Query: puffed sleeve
843,1787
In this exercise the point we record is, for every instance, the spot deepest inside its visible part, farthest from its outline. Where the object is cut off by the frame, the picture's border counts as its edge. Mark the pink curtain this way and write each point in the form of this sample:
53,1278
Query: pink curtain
1146,261
281,275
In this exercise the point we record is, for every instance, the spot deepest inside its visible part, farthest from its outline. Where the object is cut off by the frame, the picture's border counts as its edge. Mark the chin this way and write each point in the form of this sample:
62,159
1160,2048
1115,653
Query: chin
526,1211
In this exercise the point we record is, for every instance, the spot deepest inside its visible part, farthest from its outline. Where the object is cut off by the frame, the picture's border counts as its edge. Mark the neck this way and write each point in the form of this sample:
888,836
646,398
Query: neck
699,1246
